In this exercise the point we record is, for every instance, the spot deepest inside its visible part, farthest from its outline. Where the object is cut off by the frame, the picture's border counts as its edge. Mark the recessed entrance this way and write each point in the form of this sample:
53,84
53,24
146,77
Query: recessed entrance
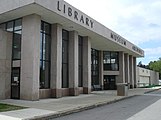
15,83
109,82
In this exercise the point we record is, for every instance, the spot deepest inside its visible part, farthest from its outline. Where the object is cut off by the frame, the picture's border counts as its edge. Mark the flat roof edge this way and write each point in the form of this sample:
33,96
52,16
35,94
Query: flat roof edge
71,13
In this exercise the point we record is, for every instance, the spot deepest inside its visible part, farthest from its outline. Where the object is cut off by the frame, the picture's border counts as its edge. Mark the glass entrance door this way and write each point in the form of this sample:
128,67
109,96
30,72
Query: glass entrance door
109,82
15,83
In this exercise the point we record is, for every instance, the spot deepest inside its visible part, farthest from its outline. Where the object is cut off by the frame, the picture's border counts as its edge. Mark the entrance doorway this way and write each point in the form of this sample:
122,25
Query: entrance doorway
15,83
109,82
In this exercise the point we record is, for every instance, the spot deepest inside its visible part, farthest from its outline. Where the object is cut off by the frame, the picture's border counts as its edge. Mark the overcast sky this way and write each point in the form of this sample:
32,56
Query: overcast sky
139,21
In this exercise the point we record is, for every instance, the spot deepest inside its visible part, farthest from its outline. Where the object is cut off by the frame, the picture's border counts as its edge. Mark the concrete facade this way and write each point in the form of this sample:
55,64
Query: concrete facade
5,64
146,77
121,76
131,62
30,58
56,61
127,69
86,65
73,63
101,71
95,35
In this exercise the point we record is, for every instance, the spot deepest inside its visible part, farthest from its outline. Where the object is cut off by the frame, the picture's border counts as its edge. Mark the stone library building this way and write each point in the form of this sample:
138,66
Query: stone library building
50,49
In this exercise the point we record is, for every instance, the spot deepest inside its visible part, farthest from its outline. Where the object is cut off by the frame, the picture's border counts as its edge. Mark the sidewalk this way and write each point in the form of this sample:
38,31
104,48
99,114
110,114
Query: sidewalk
46,108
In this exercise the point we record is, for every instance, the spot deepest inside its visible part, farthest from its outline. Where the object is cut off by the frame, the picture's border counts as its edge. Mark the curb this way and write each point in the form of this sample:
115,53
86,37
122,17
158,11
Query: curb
152,90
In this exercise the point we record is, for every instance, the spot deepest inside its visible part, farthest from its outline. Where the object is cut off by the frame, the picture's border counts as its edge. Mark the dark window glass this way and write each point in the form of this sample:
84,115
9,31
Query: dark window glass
3,26
114,61
106,60
65,51
10,26
41,46
65,81
65,35
16,50
111,61
45,47
65,76
80,61
95,66
15,26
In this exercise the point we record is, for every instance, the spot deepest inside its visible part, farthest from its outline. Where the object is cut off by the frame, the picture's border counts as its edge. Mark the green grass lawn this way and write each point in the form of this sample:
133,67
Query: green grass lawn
6,107
151,86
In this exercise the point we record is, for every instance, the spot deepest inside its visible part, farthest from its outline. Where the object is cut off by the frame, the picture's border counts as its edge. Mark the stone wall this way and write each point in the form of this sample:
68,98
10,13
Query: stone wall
5,64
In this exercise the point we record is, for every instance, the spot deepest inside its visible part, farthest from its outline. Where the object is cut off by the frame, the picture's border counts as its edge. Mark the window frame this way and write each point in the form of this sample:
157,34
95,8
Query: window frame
45,64
110,64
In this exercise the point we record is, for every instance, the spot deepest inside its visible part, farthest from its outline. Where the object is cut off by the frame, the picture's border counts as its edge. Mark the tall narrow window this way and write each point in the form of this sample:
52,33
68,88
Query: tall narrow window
95,66
15,27
65,80
45,47
111,61
3,26
80,61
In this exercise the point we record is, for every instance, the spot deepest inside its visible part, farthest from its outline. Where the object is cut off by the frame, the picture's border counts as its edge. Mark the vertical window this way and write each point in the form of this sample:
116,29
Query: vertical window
3,26
111,61
10,26
106,60
80,61
95,66
45,46
15,27
65,40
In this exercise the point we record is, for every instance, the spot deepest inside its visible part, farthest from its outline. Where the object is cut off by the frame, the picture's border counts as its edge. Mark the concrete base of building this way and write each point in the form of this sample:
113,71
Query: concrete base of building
86,90
44,93
80,90
131,86
56,93
102,87
65,92
73,91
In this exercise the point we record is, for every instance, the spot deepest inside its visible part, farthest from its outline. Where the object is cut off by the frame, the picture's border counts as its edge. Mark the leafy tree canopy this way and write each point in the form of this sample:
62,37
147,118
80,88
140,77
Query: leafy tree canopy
156,66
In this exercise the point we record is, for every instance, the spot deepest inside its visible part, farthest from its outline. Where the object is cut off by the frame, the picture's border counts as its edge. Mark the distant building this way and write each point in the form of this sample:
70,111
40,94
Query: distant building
146,77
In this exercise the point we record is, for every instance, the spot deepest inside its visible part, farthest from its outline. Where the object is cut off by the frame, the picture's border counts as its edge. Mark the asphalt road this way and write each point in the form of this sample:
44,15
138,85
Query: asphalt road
145,107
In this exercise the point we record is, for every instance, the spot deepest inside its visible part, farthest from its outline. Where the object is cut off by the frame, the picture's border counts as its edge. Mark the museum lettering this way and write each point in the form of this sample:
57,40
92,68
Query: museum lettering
75,14
118,39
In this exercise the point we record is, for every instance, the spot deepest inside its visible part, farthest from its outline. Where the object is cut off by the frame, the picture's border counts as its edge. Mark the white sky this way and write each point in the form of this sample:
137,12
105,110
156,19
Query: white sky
139,21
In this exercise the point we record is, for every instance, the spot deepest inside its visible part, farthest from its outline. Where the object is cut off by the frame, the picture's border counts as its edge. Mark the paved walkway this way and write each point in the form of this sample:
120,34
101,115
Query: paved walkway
45,108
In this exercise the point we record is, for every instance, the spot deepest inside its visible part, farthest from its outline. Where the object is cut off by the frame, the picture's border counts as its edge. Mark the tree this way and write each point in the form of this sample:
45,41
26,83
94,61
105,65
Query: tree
142,65
156,66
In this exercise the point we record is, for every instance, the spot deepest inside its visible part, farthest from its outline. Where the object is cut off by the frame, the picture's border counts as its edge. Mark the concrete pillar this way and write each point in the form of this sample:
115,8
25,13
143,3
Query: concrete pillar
30,57
127,74
101,76
73,63
5,64
121,77
86,65
134,67
131,71
56,61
